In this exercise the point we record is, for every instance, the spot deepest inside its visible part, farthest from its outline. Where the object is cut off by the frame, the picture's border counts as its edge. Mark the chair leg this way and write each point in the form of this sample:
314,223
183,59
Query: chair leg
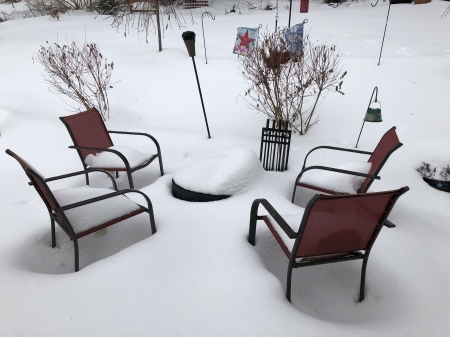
152,221
296,182
293,194
253,219
130,179
77,259
363,279
289,282
161,168
53,232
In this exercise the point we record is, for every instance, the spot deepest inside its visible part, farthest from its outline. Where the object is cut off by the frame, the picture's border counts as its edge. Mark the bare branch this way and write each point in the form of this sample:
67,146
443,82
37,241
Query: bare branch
79,72
282,85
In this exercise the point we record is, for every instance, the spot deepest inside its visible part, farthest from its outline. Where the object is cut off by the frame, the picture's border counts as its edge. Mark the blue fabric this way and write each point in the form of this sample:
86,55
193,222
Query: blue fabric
294,38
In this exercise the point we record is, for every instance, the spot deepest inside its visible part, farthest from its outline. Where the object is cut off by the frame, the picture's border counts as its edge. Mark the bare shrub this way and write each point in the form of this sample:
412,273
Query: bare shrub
78,71
288,87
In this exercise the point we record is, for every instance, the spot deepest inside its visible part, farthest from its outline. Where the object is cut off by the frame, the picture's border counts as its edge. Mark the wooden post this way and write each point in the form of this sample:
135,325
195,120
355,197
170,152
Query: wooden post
159,26
151,10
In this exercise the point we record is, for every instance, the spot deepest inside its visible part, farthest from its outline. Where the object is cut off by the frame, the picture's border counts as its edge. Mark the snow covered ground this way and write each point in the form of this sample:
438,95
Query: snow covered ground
198,276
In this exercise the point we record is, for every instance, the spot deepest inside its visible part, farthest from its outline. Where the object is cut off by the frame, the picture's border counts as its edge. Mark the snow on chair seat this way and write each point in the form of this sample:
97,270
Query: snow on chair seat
112,161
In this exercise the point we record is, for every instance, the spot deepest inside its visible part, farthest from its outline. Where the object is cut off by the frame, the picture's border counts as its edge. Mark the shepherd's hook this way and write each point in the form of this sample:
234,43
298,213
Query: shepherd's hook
387,18
204,43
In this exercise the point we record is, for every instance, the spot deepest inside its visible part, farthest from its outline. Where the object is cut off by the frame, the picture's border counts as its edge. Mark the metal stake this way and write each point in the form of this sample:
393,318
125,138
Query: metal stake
387,18
290,9
201,97
204,43
370,102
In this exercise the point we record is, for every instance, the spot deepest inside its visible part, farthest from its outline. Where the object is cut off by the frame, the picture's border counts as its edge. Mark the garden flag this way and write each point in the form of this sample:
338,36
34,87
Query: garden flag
294,38
245,40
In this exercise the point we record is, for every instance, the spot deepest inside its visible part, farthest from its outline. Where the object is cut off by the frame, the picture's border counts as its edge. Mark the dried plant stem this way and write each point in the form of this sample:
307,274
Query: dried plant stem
78,71
281,85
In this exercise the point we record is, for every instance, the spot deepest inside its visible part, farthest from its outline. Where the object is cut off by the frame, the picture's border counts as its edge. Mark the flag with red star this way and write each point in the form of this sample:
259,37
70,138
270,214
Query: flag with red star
245,40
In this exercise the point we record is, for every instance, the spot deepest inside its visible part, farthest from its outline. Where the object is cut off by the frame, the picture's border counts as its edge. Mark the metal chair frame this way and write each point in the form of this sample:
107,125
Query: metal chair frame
369,177
56,212
297,236
84,150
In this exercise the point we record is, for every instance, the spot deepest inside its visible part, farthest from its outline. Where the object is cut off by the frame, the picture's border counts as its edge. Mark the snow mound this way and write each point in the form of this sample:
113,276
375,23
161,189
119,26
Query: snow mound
226,174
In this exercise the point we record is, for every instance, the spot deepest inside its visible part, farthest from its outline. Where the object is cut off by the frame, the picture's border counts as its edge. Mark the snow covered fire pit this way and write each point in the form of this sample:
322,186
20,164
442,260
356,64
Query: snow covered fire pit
216,177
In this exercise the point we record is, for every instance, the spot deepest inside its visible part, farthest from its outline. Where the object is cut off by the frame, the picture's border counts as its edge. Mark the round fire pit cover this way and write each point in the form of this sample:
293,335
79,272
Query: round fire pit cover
216,177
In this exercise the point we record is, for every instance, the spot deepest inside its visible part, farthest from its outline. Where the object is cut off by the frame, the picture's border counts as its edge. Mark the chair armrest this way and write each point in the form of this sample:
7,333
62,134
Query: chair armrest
124,159
138,134
273,212
333,148
102,197
73,174
333,169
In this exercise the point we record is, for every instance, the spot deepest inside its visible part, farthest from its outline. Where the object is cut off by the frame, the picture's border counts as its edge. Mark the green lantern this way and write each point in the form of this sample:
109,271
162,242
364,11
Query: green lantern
373,115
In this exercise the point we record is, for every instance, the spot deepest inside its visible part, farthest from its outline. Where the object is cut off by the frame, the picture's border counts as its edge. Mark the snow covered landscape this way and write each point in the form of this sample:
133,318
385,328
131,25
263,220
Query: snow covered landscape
198,275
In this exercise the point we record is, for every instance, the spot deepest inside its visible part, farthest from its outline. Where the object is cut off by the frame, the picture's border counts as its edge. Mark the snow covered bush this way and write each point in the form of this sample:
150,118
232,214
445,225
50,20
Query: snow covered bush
287,87
427,171
78,71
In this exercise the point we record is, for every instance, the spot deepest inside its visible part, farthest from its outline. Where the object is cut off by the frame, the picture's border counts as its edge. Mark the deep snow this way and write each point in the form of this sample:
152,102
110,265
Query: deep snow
198,276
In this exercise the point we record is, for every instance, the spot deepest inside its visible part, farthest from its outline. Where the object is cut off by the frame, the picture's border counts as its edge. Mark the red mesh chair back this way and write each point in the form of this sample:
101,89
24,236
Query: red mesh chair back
387,145
344,223
87,129
37,180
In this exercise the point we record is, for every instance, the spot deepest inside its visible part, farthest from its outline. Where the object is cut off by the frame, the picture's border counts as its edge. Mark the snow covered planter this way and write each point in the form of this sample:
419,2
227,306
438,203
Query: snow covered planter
216,177
428,173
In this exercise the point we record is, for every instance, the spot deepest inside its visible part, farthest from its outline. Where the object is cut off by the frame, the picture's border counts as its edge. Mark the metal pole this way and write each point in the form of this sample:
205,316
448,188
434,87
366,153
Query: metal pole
290,9
385,27
201,97
204,43
375,91
276,18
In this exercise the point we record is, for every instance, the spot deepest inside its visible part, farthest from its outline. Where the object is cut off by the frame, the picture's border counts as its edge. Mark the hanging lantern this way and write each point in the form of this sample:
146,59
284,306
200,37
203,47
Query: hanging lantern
373,115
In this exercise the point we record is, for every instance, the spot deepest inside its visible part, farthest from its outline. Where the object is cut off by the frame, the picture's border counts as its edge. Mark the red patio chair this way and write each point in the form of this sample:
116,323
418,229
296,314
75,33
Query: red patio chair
331,229
335,179
94,145
78,211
